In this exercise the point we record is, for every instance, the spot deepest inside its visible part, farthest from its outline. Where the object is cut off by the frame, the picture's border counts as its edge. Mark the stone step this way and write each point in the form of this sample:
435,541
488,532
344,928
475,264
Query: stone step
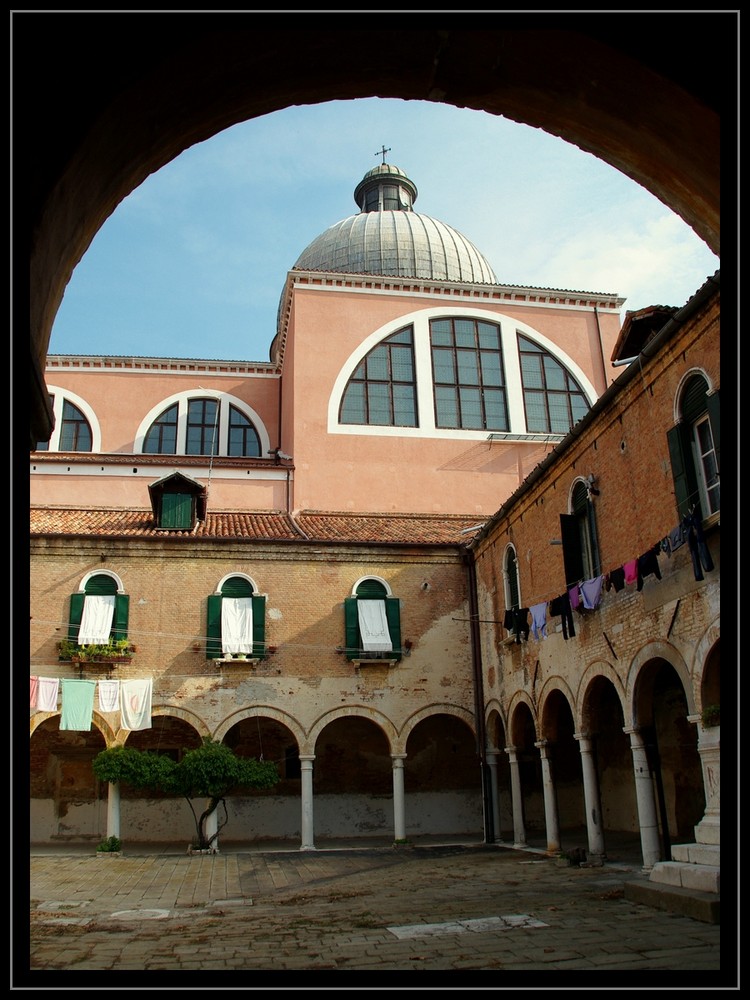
703,878
697,854
705,906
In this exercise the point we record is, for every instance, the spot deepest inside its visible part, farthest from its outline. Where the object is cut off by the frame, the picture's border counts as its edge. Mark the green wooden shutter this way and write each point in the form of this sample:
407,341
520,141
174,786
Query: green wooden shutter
393,617
213,627
101,583
714,413
351,629
683,472
120,618
572,554
259,625
76,613
176,510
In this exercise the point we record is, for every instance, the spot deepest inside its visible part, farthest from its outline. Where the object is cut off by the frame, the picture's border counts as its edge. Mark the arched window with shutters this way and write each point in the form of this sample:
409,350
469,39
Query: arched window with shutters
372,622
694,449
579,537
511,583
99,611
236,622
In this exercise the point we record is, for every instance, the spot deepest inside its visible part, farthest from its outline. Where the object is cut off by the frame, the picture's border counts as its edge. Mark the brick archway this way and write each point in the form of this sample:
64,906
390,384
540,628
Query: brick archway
642,95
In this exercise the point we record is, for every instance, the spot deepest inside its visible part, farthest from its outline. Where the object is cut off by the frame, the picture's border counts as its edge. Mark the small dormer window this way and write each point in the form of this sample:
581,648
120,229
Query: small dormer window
178,502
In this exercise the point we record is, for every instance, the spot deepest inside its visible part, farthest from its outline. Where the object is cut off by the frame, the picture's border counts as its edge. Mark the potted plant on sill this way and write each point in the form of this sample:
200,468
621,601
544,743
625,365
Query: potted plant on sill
114,651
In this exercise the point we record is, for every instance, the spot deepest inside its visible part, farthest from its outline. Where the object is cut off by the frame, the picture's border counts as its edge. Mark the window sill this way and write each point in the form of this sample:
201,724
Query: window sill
235,661
510,640
375,662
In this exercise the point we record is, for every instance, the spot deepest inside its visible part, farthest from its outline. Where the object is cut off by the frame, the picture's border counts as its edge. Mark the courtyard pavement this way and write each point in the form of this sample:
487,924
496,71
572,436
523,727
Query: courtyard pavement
438,916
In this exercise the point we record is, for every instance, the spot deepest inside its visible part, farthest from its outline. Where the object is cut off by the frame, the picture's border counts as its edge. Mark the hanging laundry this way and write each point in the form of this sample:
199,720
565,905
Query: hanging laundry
574,595
616,579
591,592
676,537
539,620
46,699
109,695
699,553
666,546
96,619
648,563
33,691
561,606
135,704
630,568
77,705
517,621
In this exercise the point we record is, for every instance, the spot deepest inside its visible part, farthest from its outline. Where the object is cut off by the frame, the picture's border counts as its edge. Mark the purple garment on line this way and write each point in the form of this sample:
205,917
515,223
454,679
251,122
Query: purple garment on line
539,620
591,592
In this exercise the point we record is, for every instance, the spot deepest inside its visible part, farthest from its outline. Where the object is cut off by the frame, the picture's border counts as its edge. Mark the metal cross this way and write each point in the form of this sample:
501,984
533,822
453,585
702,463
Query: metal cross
382,152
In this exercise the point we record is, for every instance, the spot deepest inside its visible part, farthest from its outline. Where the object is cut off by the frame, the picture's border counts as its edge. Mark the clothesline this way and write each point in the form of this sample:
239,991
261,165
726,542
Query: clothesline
132,698
687,531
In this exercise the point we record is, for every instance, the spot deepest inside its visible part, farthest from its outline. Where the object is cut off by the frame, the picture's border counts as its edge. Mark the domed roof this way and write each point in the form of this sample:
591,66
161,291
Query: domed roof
388,237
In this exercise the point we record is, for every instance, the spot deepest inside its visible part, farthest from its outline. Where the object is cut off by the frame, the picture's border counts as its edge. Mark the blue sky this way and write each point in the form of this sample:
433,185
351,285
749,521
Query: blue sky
192,263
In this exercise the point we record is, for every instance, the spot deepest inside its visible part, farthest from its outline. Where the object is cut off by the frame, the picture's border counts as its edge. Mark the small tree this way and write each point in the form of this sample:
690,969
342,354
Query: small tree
210,772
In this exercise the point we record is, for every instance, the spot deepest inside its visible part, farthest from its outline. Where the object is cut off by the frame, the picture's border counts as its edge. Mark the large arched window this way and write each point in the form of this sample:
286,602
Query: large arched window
204,425
694,449
552,398
74,426
382,391
467,374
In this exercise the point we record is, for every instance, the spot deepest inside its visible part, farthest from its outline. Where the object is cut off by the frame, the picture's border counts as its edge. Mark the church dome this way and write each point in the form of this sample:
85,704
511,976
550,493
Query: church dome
388,237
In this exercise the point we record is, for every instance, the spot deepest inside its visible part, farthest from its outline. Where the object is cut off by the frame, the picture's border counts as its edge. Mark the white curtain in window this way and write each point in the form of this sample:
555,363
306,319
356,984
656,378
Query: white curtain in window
237,624
373,626
96,620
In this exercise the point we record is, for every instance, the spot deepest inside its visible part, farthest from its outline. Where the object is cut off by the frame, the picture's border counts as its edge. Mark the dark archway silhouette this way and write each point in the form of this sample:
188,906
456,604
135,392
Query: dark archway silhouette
93,118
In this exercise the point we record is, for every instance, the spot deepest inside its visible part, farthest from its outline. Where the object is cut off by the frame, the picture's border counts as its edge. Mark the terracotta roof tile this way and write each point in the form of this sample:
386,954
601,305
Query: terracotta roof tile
314,526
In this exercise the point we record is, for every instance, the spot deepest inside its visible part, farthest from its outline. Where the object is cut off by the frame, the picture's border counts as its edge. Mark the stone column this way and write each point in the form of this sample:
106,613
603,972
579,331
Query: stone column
708,831
212,825
551,819
306,763
491,756
399,822
648,820
591,796
113,809
519,831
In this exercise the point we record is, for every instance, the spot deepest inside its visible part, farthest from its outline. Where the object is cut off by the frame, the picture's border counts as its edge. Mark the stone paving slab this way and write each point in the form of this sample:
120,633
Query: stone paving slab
468,911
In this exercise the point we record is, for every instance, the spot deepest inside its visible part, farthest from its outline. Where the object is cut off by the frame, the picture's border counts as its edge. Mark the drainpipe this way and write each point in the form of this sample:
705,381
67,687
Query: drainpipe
476,662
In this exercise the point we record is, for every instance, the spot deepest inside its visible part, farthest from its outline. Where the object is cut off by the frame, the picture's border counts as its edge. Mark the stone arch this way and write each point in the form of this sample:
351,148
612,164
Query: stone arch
598,669
193,81
652,651
426,712
520,698
494,710
265,712
98,720
553,685
307,746
703,661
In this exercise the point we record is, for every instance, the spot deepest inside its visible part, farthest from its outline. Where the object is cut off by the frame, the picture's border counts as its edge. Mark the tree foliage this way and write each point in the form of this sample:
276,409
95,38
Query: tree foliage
210,771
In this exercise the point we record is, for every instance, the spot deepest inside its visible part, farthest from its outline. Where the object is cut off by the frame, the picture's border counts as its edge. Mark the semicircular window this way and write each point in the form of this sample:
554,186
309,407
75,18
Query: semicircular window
382,391
552,398
75,433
